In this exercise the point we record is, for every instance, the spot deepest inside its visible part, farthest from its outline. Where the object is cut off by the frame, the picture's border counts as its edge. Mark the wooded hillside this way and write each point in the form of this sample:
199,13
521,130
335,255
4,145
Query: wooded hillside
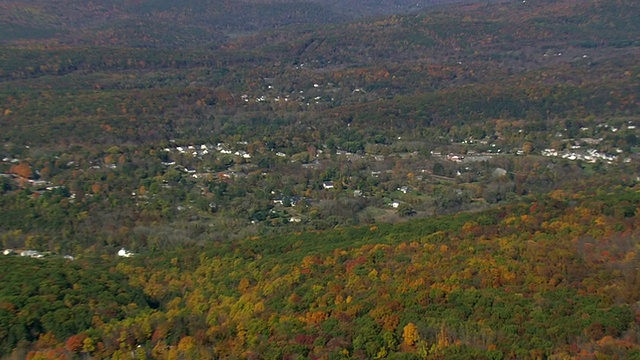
460,182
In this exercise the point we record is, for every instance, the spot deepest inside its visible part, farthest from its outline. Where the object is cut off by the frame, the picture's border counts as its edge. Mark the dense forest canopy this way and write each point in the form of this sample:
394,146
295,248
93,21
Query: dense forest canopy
319,179
551,277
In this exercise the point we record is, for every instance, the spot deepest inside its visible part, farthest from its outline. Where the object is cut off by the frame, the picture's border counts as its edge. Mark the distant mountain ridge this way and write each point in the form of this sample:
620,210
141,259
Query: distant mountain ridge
167,23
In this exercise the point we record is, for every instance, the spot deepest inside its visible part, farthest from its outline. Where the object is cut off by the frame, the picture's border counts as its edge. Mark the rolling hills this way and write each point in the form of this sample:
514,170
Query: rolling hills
319,180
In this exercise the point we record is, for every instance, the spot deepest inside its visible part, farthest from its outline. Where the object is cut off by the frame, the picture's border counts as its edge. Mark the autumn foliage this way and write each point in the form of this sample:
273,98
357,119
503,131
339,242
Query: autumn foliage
22,169
428,288
248,254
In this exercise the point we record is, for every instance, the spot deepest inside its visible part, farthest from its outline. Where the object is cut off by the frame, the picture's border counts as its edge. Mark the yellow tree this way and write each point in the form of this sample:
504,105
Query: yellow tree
410,334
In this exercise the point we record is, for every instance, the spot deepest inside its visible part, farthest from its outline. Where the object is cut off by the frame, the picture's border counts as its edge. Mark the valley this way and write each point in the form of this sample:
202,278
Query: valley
319,180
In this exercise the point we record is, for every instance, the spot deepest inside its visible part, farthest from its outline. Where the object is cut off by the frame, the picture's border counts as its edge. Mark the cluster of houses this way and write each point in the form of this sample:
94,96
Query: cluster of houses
590,155
40,255
10,160
198,151
31,253
38,186
314,95
26,253
203,149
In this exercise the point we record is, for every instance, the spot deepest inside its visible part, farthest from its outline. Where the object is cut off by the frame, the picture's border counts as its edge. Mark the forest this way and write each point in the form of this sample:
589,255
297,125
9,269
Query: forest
549,277
456,180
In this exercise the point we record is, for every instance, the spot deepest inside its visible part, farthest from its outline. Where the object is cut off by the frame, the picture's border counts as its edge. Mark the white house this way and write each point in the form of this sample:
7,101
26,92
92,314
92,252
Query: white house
31,253
455,158
328,185
125,253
